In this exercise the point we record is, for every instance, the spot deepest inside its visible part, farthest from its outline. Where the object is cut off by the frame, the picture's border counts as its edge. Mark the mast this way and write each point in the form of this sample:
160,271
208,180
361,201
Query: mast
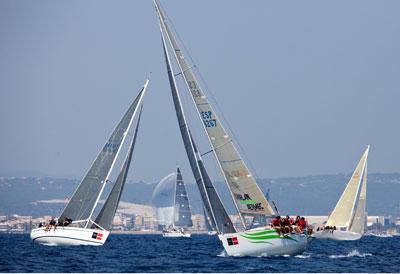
210,197
105,217
343,213
246,194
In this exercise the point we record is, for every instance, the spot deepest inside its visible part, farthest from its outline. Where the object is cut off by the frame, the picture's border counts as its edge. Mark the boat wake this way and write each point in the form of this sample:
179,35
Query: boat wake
303,256
222,254
353,253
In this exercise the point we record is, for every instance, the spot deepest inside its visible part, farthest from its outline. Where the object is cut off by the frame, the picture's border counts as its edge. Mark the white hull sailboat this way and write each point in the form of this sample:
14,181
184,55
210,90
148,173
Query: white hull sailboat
347,220
176,234
172,206
263,242
245,193
69,236
77,225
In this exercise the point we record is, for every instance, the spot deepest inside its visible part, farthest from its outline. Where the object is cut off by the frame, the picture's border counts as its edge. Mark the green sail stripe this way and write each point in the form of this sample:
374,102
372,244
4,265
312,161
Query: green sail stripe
261,233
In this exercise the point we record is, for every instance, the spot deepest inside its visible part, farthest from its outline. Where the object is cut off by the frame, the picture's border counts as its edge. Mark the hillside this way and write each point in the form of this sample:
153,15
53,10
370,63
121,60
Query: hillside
310,195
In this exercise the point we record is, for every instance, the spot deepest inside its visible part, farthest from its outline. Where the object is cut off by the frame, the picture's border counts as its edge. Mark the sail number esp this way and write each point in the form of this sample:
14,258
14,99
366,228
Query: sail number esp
208,122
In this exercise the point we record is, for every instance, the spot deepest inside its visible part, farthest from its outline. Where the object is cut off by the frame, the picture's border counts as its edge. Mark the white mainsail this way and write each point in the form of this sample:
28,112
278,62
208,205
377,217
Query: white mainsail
343,213
245,192
358,224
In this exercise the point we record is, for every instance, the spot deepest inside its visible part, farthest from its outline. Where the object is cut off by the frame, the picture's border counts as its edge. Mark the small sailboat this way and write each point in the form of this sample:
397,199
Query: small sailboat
77,224
246,194
171,203
347,220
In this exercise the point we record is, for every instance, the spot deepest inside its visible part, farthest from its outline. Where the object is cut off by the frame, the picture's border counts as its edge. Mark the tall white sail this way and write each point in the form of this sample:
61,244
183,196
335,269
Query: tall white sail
358,224
342,215
246,194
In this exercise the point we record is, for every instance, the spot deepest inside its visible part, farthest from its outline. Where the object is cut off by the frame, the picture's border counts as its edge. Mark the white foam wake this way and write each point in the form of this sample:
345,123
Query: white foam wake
353,253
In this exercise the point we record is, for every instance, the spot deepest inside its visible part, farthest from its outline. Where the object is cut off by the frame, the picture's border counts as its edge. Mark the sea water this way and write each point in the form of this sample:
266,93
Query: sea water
201,253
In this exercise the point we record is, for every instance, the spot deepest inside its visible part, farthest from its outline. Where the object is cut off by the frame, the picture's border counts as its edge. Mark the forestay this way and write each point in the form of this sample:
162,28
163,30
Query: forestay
182,213
246,194
342,214
81,205
105,217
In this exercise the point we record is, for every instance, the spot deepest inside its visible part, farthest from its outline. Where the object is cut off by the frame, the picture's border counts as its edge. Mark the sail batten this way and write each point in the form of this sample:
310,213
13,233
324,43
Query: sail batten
211,200
343,213
86,196
234,170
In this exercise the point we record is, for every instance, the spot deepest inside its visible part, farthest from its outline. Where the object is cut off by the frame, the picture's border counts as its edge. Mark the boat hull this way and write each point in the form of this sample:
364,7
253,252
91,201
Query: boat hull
264,242
337,235
69,236
176,234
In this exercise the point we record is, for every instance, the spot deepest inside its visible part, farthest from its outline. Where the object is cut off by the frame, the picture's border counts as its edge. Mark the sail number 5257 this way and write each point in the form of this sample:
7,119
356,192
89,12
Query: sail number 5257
208,122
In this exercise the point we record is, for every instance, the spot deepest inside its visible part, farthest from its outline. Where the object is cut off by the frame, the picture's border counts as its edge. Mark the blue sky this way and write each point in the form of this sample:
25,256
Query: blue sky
304,85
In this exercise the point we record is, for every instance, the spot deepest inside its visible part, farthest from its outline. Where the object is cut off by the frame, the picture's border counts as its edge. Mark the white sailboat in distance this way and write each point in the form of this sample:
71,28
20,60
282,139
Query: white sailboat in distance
347,220
245,193
77,224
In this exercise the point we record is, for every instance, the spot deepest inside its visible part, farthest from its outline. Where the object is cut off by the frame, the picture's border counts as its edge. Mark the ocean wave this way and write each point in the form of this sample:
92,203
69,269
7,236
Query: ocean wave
303,256
353,253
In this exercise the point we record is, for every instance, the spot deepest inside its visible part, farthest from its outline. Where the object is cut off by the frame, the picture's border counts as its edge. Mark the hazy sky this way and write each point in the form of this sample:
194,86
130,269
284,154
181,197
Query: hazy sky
305,85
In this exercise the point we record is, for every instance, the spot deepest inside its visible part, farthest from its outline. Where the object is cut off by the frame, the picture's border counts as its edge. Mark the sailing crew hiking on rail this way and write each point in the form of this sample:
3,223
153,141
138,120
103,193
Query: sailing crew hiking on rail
287,225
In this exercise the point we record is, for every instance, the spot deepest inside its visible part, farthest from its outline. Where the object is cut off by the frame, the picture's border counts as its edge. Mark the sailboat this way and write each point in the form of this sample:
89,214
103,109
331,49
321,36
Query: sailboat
77,224
347,220
246,194
172,206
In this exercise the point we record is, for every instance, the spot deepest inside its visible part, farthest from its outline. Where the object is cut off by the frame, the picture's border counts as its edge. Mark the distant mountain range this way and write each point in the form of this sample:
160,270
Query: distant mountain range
309,195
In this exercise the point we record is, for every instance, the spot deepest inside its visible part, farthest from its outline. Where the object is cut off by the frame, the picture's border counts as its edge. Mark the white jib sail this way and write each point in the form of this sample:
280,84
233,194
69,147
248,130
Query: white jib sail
343,213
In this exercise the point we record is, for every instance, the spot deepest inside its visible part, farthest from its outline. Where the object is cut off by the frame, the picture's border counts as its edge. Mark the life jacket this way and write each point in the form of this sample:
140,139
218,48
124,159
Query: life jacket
302,224
276,222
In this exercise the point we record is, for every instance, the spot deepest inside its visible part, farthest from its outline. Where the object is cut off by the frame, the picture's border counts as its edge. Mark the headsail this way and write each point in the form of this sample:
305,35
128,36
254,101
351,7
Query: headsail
106,215
211,200
358,224
342,215
182,213
246,194
84,200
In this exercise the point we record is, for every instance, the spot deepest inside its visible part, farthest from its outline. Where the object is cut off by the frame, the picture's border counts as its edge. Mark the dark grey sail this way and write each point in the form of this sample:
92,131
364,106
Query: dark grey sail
182,213
81,205
106,215
212,203
207,222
